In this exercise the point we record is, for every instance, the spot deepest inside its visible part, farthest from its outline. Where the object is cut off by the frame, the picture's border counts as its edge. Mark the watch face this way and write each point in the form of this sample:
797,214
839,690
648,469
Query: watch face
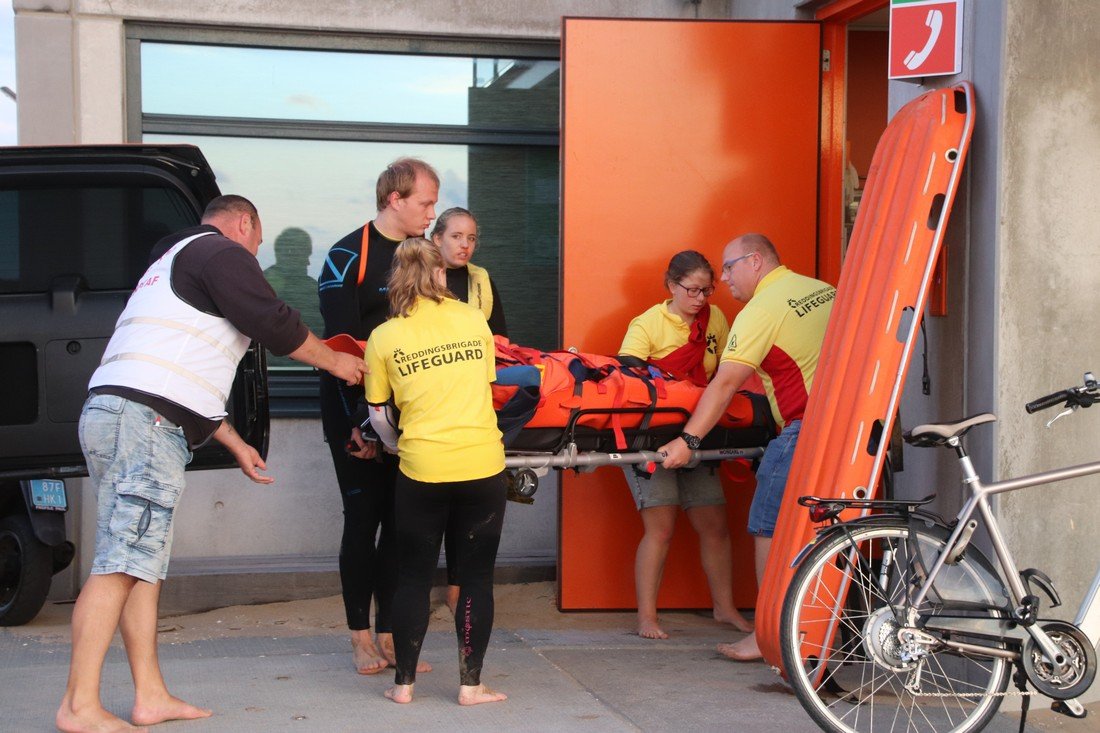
691,440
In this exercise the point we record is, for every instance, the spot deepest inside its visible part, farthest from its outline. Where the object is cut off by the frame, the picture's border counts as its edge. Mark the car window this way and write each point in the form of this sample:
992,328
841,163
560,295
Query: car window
101,233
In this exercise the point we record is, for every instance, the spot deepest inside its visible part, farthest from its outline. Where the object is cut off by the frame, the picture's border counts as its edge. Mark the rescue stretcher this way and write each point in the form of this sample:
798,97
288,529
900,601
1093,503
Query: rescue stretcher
578,411
567,410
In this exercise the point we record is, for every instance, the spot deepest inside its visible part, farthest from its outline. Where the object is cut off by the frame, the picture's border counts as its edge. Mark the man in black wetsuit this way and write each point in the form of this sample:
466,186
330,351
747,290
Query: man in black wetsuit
353,294
159,392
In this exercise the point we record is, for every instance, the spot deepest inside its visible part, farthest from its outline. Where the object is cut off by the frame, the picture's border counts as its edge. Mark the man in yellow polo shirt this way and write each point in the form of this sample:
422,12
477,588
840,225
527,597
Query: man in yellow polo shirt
778,335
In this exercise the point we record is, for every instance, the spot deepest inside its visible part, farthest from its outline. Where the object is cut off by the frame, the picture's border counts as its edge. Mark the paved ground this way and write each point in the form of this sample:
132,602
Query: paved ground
286,667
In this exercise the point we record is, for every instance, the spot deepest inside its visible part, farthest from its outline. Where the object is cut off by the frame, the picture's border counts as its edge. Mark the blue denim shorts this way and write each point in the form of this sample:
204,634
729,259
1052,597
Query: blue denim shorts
771,479
699,486
136,461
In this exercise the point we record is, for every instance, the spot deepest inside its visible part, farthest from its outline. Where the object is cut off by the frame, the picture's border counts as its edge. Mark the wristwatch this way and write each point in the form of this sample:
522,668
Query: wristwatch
692,441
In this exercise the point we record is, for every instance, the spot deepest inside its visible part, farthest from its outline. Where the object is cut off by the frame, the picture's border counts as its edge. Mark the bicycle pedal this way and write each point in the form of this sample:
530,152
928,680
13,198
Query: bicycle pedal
1070,708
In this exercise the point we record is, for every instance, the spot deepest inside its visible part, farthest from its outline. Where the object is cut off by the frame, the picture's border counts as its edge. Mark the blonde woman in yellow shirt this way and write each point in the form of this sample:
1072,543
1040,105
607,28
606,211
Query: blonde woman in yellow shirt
435,359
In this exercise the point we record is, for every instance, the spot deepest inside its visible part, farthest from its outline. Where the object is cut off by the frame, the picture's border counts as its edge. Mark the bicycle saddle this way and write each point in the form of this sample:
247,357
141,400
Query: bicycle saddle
933,434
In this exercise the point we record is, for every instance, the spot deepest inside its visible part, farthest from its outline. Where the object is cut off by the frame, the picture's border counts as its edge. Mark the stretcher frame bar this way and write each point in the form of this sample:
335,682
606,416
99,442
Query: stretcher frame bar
570,457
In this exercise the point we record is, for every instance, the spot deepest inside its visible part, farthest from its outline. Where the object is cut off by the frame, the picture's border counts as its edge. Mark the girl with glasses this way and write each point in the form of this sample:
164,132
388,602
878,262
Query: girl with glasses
683,335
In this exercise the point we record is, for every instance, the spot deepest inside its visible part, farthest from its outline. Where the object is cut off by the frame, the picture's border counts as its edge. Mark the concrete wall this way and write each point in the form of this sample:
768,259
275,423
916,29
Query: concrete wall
961,346
1049,276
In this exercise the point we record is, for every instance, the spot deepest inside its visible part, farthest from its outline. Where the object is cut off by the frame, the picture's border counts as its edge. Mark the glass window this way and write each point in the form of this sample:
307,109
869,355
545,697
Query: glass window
105,235
300,132
310,193
339,86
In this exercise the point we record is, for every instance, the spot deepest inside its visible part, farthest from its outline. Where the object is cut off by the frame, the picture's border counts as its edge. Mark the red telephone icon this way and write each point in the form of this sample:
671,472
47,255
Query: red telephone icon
934,21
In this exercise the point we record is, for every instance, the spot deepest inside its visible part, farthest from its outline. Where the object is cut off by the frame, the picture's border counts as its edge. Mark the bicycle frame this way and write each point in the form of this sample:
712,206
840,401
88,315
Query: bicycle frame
1088,615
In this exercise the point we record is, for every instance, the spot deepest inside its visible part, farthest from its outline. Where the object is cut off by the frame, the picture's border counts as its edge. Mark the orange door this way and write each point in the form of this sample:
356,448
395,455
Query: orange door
675,135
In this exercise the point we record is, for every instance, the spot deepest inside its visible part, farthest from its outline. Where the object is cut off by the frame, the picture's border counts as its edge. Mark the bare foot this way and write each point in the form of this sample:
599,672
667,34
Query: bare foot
385,646
89,720
649,629
478,694
745,650
150,710
400,694
368,660
734,619
452,598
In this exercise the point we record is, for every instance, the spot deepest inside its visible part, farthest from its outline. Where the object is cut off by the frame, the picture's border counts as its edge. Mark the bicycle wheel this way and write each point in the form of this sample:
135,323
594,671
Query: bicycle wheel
850,668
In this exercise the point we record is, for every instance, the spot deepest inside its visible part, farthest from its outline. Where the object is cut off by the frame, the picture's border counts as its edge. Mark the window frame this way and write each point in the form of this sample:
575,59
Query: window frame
296,394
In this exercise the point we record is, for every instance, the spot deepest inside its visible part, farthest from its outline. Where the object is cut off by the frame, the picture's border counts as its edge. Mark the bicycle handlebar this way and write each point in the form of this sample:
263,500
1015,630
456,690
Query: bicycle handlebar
1084,396
1051,400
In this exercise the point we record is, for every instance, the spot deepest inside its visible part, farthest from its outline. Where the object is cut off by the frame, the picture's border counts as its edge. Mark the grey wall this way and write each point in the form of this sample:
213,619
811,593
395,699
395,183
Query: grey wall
962,345
1049,276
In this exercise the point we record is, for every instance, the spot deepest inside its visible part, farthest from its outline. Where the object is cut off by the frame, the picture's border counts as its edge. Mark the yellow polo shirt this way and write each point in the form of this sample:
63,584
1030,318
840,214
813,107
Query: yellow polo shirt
779,334
437,364
658,332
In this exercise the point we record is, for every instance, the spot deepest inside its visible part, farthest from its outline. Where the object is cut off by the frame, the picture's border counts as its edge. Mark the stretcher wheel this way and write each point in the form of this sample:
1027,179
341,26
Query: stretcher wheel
526,482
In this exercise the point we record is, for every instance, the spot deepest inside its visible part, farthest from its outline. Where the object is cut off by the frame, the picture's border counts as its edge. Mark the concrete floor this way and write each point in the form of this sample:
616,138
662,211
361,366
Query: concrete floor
287,667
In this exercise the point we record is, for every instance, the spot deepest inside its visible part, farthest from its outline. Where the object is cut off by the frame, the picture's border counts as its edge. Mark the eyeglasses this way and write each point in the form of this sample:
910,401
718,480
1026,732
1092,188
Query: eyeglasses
728,265
696,292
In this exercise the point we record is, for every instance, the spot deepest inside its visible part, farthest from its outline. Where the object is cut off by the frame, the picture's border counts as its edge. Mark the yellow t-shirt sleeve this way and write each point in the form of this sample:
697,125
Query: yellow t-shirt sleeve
750,338
637,341
378,387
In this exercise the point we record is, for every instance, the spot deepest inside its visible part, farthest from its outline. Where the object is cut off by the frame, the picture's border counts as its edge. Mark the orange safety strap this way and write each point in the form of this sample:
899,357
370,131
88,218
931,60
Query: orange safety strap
363,254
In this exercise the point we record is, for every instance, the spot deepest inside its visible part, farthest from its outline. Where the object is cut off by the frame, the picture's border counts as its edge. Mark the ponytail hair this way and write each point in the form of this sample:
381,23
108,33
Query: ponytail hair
415,263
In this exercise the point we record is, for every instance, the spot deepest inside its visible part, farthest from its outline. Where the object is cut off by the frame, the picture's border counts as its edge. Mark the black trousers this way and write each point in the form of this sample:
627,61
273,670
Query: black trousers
473,513
367,562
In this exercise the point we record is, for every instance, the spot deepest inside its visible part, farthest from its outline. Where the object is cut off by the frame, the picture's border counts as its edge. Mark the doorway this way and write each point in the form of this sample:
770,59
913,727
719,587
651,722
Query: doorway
854,112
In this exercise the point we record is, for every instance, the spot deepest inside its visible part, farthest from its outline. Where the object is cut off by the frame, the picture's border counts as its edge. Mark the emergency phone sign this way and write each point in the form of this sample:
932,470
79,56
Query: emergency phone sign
925,38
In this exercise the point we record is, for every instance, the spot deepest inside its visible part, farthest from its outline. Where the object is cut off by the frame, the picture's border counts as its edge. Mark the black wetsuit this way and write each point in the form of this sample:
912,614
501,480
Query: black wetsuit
473,512
366,487
458,282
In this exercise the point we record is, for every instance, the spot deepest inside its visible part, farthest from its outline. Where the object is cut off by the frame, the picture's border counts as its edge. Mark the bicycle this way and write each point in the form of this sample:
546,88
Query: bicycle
896,620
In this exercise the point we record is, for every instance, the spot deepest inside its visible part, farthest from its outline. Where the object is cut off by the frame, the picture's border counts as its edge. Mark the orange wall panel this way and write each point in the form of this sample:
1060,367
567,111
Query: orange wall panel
675,135
868,94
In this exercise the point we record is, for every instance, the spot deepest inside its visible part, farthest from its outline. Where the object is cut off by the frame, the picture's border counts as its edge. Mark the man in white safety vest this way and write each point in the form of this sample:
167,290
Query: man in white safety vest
159,392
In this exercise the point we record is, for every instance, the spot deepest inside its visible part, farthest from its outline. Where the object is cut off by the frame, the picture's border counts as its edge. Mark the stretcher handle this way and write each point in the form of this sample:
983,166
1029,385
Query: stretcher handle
572,459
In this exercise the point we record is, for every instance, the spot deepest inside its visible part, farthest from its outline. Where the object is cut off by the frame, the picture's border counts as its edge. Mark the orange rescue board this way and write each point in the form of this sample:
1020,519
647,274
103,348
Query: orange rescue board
884,284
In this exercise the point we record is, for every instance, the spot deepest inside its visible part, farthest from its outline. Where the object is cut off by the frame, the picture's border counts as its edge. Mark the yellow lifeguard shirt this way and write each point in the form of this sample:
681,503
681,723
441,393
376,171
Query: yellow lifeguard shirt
437,363
779,334
658,332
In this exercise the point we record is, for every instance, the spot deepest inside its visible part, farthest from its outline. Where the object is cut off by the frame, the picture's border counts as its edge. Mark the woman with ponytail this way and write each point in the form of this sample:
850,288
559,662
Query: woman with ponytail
435,359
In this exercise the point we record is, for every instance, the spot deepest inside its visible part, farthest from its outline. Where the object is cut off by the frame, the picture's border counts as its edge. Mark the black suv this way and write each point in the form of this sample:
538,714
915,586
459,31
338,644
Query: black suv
76,228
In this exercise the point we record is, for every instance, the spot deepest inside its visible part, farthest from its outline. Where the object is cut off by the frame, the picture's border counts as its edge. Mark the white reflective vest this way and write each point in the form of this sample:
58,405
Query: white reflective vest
165,347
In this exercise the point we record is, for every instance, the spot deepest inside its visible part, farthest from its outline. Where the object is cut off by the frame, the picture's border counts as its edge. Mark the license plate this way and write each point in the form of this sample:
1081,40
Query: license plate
49,494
